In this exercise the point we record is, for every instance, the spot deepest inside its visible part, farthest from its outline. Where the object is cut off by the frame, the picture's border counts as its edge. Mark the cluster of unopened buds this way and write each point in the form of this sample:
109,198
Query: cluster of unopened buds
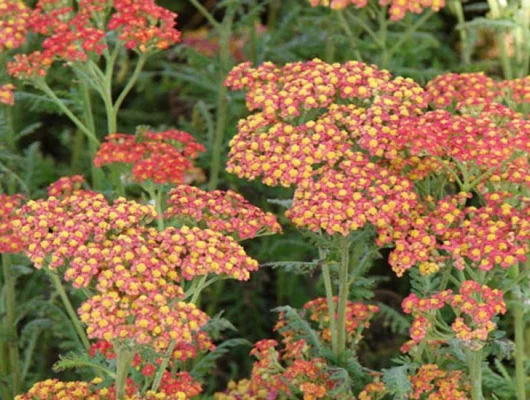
475,307
397,9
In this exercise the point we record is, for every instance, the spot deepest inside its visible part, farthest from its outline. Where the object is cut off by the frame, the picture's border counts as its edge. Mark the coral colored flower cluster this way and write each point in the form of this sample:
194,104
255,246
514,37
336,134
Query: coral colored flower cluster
162,157
180,387
495,234
438,384
303,118
283,370
225,212
14,19
55,228
309,375
136,269
345,199
397,9
317,127
148,320
10,240
6,94
143,25
358,316
77,33
447,90
475,307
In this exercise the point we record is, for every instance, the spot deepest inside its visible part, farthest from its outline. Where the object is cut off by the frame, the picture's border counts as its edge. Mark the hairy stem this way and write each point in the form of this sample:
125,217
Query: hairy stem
474,360
125,358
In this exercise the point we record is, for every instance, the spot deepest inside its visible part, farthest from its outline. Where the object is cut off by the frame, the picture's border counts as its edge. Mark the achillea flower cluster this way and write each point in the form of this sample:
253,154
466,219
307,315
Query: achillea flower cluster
225,212
143,25
480,144
135,269
75,33
449,89
345,199
6,94
162,157
240,390
373,391
66,186
313,115
358,316
204,251
435,383
146,319
178,387
397,10
14,18
517,90
291,367
55,228
309,376
10,240
475,307
494,235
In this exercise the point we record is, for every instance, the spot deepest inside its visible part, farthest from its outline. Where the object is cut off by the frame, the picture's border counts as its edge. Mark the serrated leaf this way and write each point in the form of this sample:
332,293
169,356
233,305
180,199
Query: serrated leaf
397,381
297,267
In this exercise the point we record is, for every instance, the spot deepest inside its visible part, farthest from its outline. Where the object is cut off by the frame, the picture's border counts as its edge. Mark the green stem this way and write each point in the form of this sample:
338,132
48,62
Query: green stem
12,340
56,281
383,31
459,11
505,59
519,333
225,33
474,360
156,197
198,289
97,175
349,34
205,13
51,94
331,306
125,358
130,84
408,33
343,297
163,366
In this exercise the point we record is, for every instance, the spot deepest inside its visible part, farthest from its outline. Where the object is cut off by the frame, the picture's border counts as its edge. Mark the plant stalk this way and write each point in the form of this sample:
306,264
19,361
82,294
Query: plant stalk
56,281
12,340
343,298
125,358
474,359
225,33
519,333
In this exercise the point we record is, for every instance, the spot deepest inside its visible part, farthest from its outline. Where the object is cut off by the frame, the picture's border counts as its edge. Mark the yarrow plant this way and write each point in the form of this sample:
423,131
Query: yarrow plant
437,175
432,179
